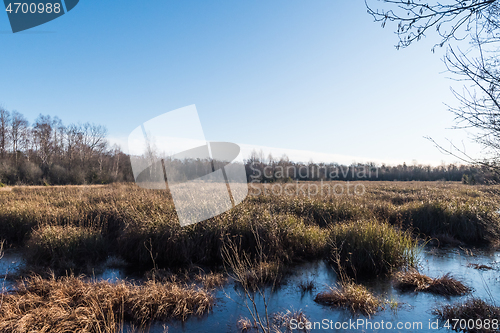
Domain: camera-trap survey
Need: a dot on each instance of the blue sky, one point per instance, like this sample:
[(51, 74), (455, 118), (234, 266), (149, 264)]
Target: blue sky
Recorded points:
[(315, 76)]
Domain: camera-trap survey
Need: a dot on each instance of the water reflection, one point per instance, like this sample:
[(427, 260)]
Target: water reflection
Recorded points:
[(9, 265)]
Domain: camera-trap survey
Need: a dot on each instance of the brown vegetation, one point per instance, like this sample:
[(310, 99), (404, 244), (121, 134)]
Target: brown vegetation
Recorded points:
[(480, 312), (137, 224), (71, 304), (280, 323), (352, 296), (245, 325), (66, 248), (445, 285), (211, 280), (371, 248), (77, 228), (480, 267)]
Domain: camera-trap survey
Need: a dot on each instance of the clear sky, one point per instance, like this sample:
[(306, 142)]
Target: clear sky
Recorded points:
[(314, 75)]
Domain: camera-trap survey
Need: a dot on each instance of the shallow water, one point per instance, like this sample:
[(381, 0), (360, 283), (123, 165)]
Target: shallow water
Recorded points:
[(9, 265), (413, 307)]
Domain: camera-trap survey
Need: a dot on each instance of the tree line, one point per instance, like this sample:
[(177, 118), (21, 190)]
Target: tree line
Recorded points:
[(49, 152), (270, 170)]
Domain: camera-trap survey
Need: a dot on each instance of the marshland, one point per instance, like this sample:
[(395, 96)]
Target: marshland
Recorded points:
[(115, 258)]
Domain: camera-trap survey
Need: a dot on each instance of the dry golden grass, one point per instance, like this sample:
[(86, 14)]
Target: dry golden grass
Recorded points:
[(352, 296), (445, 285), (411, 280), (293, 228), (67, 248), (263, 273), (368, 248), (280, 323), (456, 212), (476, 310), (449, 286), (211, 280), (71, 304), (141, 227), (245, 325)]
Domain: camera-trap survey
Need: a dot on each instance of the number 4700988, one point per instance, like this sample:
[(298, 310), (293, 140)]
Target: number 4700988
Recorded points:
[(25, 8), (471, 324)]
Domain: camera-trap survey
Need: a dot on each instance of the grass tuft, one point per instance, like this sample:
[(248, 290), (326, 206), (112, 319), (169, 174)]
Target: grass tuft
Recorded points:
[(480, 267), (245, 325), (71, 304), (280, 323), (445, 285), (352, 296), (473, 309), (211, 280), (67, 248), (412, 280), (371, 248), (282, 320)]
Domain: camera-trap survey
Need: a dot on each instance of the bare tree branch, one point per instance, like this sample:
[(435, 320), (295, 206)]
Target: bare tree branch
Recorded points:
[(415, 19)]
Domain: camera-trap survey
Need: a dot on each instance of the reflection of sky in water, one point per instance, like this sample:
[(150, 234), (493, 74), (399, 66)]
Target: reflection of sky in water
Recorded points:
[(415, 306), (9, 264)]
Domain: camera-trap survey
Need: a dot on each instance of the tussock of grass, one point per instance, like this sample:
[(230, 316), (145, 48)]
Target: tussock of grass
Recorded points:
[(72, 305), (263, 273), (480, 267), (449, 286), (473, 309), (445, 285), (463, 220), (161, 301), (211, 280), (245, 325), (66, 248), (352, 296), (371, 248), (188, 275), (412, 280), (281, 321), (285, 238)]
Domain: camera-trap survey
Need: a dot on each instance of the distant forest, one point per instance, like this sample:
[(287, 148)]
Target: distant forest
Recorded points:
[(270, 170), (48, 152)]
